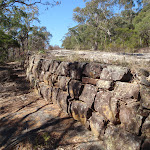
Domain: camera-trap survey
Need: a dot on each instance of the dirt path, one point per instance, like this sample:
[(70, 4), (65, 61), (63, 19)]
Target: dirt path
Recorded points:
[(29, 122)]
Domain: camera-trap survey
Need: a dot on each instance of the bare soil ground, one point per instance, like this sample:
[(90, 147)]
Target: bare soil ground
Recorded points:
[(29, 122)]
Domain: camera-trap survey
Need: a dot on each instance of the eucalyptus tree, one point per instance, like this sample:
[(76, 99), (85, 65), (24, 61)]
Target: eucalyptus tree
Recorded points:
[(39, 38), (96, 14)]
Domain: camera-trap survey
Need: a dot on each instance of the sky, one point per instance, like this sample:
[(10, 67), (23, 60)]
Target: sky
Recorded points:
[(59, 18)]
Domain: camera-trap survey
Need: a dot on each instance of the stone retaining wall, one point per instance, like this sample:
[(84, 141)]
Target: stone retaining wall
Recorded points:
[(109, 100)]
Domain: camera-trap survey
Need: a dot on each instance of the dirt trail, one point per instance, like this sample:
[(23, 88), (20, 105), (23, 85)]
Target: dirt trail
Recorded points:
[(29, 122)]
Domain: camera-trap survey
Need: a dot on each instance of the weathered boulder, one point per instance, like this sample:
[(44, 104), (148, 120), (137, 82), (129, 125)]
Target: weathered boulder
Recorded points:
[(37, 67), (92, 70), (62, 99), (80, 111), (31, 78), (46, 64), (130, 119), (125, 90), (30, 66), (75, 70), (63, 82), (46, 77), (145, 96), (118, 139), (146, 127), (63, 69), (41, 76), (107, 106), (103, 84), (75, 88), (116, 73), (46, 91), (98, 124), (54, 66), (88, 94), (55, 94)]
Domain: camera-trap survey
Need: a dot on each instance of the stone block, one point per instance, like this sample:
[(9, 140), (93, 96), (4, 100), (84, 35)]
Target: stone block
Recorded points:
[(41, 76), (98, 124), (37, 67), (88, 94), (116, 73), (62, 99), (63, 69), (146, 127), (92, 70), (46, 91), (63, 82), (53, 80), (46, 64), (118, 139), (103, 84), (55, 94), (130, 119), (75, 70), (145, 96), (53, 67), (46, 77), (75, 88), (86, 80), (80, 111), (108, 106), (125, 90)]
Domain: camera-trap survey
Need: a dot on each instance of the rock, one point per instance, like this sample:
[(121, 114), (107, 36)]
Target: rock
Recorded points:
[(46, 64), (116, 73), (88, 94), (63, 69), (130, 119), (45, 91), (143, 72), (92, 70), (146, 144), (75, 70), (125, 90), (98, 124), (55, 94), (107, 106), (30, 66), (46, 77), (103, 84), (118, 139), (145, 96), (41, 76), (146, 127), (87, 80), (80, 111), (143, 80), (53, 80), (37, 67), (63, 82), (54, 66), (75, 89), (62, 99), (31, 79)]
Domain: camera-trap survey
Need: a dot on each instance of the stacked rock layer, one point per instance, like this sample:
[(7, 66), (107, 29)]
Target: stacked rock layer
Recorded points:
[(109, 100)]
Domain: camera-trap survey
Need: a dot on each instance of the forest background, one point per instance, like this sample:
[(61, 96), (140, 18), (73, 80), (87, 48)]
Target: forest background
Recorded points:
[(99, 27)]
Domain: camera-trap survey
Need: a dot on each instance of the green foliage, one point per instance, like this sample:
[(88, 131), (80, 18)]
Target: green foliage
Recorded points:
[(17, 36), (101, 28)]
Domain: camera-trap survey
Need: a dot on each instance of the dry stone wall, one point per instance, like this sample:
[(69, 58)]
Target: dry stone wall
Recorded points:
[(109, 100)]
